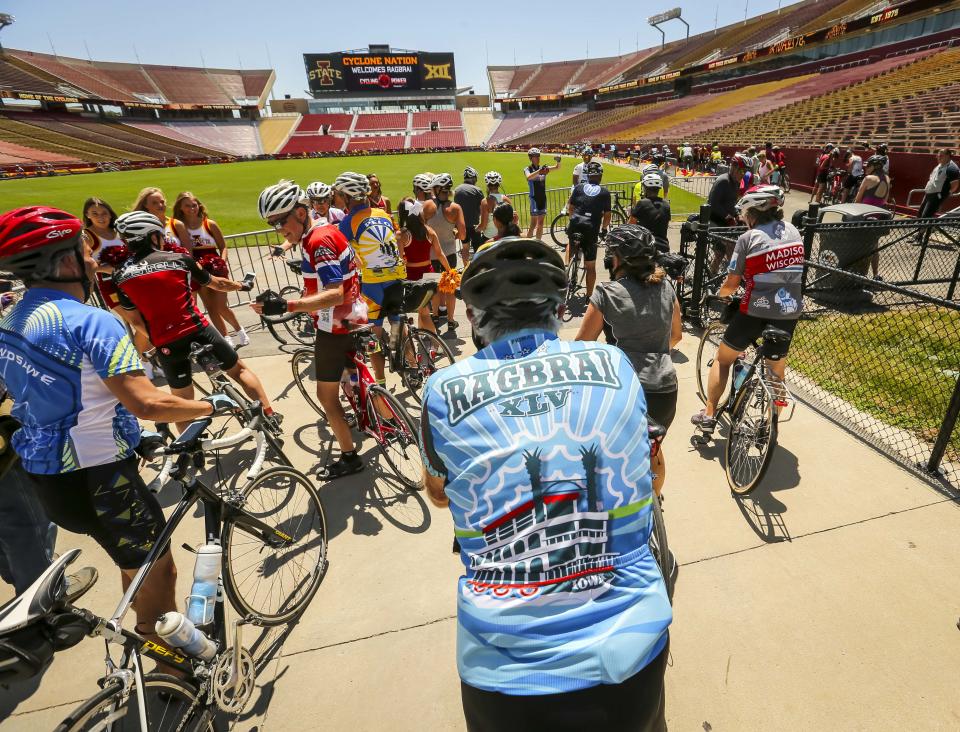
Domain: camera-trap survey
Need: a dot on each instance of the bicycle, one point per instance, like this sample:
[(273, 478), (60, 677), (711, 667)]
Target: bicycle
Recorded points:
[(754, 400), (272, 531), (834, 190), (371, 408), (558, 227), (299, 326), (658, 534)]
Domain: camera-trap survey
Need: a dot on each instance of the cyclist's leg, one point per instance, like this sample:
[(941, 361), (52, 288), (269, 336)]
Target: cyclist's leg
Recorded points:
[(330, 354), (372, 294), (740, 333), (589, 246), (174, 361), (662, 408)]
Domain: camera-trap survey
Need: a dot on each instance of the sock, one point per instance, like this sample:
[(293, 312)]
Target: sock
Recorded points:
[(350, 455), (268, 411)]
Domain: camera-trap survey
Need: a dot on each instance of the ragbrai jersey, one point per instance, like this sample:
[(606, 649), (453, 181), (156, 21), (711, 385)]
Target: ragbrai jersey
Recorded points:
[(160, 286), (328, 259), (54, 354), (371, 234), (543, 445), (770, 260)]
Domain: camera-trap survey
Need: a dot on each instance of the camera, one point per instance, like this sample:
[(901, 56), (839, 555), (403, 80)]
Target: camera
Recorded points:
[(247, 283)]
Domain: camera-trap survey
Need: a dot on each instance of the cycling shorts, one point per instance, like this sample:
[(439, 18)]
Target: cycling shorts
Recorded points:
[(744, 330), (822, 177), (109, 503), (588, 243), (383, 296), (174, 358), (451, 260), (538, 206), (331, 355)]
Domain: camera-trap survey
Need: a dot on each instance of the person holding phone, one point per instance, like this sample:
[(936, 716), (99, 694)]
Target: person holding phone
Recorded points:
[(536, 175)]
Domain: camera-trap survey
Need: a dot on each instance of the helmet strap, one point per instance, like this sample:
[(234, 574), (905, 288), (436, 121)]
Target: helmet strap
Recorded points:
[(80, 279)]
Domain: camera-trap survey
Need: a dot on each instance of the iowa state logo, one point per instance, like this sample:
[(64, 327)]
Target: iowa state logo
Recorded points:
[(437, 71), (326, 74)]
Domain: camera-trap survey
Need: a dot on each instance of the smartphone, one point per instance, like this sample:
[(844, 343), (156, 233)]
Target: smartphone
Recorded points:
[(247, 282)]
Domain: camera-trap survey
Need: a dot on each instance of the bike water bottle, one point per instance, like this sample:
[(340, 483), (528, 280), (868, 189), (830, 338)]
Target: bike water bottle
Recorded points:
[(739, 372), (177, 631), (203, 593)]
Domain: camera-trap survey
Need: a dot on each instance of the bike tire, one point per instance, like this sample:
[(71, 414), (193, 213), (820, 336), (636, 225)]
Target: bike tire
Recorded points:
[(706, 353), (753, 429), (405, 461), (265, 560), (431, 353), (558, 230), (165, 695), (300, 327), (573, 279), (617, 218), (659, 546), (304, 374)]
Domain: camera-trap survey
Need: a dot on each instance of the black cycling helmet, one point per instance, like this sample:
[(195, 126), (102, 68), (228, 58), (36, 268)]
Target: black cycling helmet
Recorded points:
[(513, 273), (593, 169), (879, 160), (631, 241)]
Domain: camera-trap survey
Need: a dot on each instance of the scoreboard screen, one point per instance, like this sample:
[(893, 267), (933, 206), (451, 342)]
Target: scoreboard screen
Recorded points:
[(378, 72)]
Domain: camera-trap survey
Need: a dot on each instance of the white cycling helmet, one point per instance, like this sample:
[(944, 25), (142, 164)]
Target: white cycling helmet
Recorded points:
[(493, 178), (652, 180), (318, 190), (533, 151), (137, 225), (761, 198), (650, 168), (442, 180), (422, 182), (470, 173), (280, 198), (355, 186)]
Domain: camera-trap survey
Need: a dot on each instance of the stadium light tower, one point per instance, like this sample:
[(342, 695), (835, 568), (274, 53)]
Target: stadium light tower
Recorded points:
[(656, 20), (5, 20)]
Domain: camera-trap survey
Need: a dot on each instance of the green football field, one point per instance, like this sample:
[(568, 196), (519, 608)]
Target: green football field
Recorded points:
[(230, 191)]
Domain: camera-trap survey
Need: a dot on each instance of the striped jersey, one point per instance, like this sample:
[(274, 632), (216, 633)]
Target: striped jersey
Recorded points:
[(770, 260), (327, 260)]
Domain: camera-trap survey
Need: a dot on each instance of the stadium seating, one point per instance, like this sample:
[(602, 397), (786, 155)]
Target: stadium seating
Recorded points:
[(445, 118), (13, 76), (478, 125), (18, 154), (314, 143), (442, 138), (517, 124), (312, 123), (274, 131), (67, 147), (379, 142), (386, 121), (234, 138)]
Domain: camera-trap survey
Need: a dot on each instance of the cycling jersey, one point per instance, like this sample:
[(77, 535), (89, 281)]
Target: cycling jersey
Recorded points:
[(54, 354), (543, 446), (327, 260), (537, 189), (160, 286), (371, 234), (334, 216), (653, 215), (770, 260), (592, 202)]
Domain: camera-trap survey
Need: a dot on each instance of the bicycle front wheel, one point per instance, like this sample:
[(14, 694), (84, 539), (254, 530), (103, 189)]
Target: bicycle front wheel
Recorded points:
[(305, 376), (659, 547), (558, 230), (424, 353), (706, 355), (617, 218), (396, 436), (275, 582), (752, 438), (169, 706)]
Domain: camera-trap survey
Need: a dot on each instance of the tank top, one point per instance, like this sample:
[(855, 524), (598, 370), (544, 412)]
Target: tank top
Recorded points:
[(170, 233), (491, 230), (446, 232), (418, 253), (99, 245), (202, 241), (869, 196)]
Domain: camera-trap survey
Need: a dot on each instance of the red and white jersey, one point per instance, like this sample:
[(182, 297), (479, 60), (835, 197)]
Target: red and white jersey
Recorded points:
[(170, 233), (770, 260), (328, 259)]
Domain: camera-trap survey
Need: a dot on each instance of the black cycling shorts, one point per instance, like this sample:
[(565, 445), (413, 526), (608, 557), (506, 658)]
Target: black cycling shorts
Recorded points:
[(109, 503), (331, 354), (744, 330), (822, 177), (174, 358), (475, 237), (588, 243)]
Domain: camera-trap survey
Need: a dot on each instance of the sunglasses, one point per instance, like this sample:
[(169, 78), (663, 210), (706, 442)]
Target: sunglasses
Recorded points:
[(279, 223)]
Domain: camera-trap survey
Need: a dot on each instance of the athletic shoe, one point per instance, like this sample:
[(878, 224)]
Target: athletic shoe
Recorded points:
[(229, 340), (242, 338), (703, 422), (78, 583)]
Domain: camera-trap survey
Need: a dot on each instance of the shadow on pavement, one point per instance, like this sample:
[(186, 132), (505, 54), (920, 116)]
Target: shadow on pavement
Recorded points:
[(761, 509)]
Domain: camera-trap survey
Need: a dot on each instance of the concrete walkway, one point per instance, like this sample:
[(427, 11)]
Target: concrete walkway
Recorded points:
[(828, 600)]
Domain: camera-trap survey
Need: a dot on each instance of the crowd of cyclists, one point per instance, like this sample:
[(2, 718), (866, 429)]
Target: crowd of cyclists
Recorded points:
[(496, 425)]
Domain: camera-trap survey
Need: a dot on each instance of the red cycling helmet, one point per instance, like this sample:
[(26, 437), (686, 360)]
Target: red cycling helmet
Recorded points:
[(740, 161), (31, 236)]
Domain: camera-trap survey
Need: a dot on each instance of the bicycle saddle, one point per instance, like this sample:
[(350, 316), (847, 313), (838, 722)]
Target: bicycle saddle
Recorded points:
[(196, 350), (656, 430), (775, 334), (39, 598)]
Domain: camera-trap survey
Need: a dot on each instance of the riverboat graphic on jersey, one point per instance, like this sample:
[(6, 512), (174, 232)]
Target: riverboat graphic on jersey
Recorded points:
[(556, 542)]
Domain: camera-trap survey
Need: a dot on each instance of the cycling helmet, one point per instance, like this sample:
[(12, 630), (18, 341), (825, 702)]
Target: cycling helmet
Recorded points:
[(650, 168), (593, 168), (318, 190), (137, 226), (493, 178), (470, 173), (881, 148), (442, 180), (739, 160), (631, 241), (423, 181), (761, 198), (31, 236), (355, 186), (587, 151), (533, 151), (280, 198), (513, 271), (879, 160), (652, 180)]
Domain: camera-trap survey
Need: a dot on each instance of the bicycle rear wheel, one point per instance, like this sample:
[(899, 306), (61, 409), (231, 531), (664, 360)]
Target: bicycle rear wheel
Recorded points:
[(424, 353), (276, 582), (573, 278), (169, 707), (659, 547), (752, 437), (558, 230), (617, 218), (706, 355), (396, 437), (305, 376)]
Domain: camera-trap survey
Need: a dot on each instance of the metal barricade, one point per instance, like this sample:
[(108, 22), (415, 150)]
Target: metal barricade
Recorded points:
[(250, 252)]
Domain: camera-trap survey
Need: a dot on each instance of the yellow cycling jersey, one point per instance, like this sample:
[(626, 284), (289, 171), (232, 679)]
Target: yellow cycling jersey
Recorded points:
[(372, 236)]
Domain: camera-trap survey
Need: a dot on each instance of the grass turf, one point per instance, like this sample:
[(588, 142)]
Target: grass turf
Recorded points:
[(230, 191)]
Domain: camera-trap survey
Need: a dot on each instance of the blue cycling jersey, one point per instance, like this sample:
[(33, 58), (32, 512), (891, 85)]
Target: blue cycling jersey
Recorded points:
[(543, 445), (54, 354)]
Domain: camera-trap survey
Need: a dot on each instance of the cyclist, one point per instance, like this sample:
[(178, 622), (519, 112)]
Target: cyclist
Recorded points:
[(782, 178), (567, 637), (768, 261), (79, 387), (647, 169), (493, 199), (653, 212), (874, 191), (505, 219), (446, 218), (827, 159), (854, 177), (371, 235), (470, 200), (724, 193), (640, 314), (579, 170), (536, 175), (209, 248), (158, 286), (331, 288), (421, 248), (590, 209), (322, 209)]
